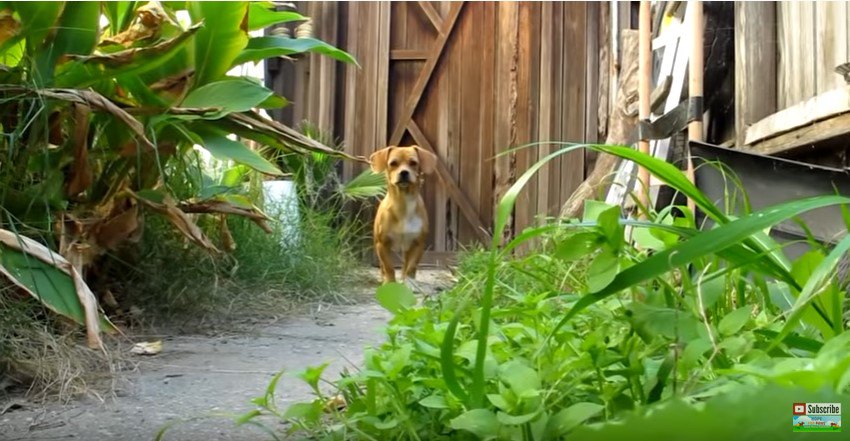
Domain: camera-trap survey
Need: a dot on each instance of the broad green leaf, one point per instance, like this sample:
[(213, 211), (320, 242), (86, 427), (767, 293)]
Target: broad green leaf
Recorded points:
[(37, 20), (120, 14), (571, 417), (262, 14), (609, 225), (221, 39), (434, 401), (310, 412), (395, 297), (646, 239), (593, 208), (260, 48), (577, 246), (516, 420), (602, 270), (246, 417), (711, 290), (693, 351), (224, 148), (312, 375), (519, 377), (480, 422), (78, 28), (651, 321), (52, 287), (234, 176), (274, 102), (731, 323), (76, 34), (230, 95), (499, 401)]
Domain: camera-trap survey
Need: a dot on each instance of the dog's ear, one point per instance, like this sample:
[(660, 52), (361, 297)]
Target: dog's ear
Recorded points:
[(378, 160), (427, 161)]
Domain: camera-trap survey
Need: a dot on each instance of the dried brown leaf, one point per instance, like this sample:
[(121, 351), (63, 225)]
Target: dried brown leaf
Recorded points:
[(92, 99), (112, 232), (226, 238), (147, 24), (81, 173), (179, 219), (9, 26), (224, 207)]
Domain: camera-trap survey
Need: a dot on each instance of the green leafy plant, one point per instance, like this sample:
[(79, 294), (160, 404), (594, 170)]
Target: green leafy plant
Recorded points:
[(99, 122), (606, 324)]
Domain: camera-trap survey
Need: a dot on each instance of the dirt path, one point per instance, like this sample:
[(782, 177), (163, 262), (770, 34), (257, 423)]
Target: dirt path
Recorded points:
[(202, 375)]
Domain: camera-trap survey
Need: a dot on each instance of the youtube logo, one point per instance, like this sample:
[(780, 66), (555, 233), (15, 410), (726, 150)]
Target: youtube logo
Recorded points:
[(799, 408)]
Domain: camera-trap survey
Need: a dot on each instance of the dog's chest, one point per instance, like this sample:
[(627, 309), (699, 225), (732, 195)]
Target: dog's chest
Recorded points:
[(408, 230)]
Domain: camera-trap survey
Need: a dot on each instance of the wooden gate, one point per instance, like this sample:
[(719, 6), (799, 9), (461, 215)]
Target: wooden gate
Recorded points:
[(466, 80)]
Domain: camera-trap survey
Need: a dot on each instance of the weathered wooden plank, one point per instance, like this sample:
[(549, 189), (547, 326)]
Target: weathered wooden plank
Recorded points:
[(487, 112), (603, 98), (351, 86), (382, 80), (755, 64), (425, 74), (572, 173), (432, 14), (440, 91), (408, 54), (527, 84), (505, 102), (328, 67), (594, 55), (454, 61), (796, 64), (820, 107), (370, 78), (469, 38), (464, 203), (831, 48), (804, 136), (546, 99), (560, 104)]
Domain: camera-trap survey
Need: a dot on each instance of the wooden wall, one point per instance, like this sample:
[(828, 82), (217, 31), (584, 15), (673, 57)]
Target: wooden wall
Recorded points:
[(468, 80), (812, 39)]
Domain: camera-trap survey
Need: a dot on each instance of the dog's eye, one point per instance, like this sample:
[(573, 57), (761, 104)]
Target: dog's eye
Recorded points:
[(393, 163), (413, 163)]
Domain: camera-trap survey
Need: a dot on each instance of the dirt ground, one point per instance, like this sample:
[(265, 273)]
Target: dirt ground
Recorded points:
[(200, 376)]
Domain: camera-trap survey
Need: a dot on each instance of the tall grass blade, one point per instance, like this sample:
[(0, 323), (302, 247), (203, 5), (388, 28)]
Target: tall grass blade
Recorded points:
[(707, 243), (807, 296)]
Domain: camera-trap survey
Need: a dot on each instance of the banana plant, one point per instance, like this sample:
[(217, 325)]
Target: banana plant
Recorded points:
[(101, 107)]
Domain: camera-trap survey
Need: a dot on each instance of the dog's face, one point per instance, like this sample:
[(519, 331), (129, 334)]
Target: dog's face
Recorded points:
[(404, 165)]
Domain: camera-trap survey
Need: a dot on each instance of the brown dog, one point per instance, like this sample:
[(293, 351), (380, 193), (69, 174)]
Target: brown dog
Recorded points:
[(401, 223)]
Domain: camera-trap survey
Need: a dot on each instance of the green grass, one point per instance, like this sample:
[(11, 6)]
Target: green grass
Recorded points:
[(592, 335)]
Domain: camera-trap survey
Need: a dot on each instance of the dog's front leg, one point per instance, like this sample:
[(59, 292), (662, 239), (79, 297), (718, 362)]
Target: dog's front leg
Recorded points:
[(385, 258), (411, 261)]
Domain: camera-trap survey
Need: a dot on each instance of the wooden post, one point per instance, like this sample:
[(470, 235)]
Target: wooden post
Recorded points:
[(695, 73), (644, 91), (755, 64)]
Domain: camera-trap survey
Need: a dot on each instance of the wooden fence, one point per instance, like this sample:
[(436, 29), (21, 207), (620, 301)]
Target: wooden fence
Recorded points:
[(467, 80)]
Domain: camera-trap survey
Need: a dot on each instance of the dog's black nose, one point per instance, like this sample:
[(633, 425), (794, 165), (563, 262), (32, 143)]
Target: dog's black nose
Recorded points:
[(404, 175)]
